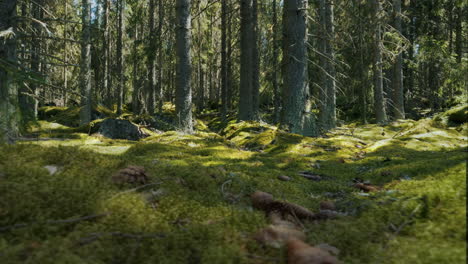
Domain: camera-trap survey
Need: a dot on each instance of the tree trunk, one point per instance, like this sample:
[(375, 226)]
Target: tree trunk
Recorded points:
[(183, 89), (150, 90), (379, 100), (327, 62), (255, 63), (398, 96), (459, 37), (85, 66), (120, 58), (106, 54), (246, 62), (295, 78), (159, 90), (9, 117), (224, 76), (276, 87)]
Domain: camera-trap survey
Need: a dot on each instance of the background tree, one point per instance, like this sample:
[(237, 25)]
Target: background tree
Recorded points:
[(183, 88), (85, 69)]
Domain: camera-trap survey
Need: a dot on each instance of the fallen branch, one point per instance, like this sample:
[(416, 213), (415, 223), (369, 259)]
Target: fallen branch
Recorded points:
[(52, 222)]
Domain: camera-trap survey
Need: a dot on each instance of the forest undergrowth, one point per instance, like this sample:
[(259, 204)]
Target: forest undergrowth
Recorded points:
[(59, 203)]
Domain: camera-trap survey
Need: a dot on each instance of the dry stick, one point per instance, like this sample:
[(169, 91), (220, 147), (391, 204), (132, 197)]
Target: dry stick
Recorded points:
[(63, 221), (135, 189)]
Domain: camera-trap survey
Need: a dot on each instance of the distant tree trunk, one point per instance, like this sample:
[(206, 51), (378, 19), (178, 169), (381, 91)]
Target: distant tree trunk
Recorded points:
[(379, 100), (246, 61), (183, 89), (120, 58), (9, 117), (106, 54), (327, 62), (459, 37), (224, 74), (136, 104), (27, 102), (85, 66), (150, 90), (295, 78), (276, 87), (159, 90), (229, 93), (65, 57), (255, 63), (398, 95)]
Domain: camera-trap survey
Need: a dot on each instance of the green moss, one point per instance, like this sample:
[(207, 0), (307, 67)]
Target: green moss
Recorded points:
[(200, 210)]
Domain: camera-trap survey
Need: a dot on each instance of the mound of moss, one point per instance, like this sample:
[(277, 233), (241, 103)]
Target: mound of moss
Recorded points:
[(197, 207)]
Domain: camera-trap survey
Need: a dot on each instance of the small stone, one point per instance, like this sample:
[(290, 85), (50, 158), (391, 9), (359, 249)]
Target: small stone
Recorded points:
[(327, 205), (284, 178), (51, 169)]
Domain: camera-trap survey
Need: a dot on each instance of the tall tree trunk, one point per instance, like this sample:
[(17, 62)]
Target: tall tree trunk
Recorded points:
[(150, 90), (183, 88), (327, 62), (255, 63), (295, 78), (398, 96), (276, 87), (136, 85), (120, 58), (159, 90), (106, 54), (65, 57), (27, 102), (85, 66), (379, 100), (229, 92), (224, 73), (9, 117), (246, 61), (459, 31)]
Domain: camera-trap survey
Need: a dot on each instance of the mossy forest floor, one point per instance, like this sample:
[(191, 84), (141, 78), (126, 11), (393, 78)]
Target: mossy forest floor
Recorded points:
[(198, 208)]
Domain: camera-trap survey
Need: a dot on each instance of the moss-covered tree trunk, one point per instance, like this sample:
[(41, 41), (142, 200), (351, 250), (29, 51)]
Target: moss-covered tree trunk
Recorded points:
[(150, 88), (183, 87), (9, 117)]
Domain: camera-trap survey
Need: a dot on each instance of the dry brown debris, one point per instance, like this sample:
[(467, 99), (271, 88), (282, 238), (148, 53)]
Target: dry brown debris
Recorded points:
[(302, 253), (132, 175), (366, 187), (265, 202), (276, 236)]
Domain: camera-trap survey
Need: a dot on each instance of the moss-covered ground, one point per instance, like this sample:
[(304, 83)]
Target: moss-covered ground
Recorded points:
[(197, 209)]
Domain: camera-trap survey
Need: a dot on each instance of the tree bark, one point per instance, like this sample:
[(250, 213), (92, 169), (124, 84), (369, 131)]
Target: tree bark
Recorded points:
[(106, 54), (150, 90), (327, 62), (398, 96), (379, 100), (276, 87), (85, 66), (224, 76), (295, 78), (246, 61), (255, 63), (120, 58), (183, 88), (9, 117)]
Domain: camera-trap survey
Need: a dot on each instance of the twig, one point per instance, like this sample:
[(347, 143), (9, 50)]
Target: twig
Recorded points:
[(52, 222), (135, 189)]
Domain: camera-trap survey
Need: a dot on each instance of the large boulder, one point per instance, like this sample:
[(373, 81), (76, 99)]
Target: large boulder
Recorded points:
[(121, 129)]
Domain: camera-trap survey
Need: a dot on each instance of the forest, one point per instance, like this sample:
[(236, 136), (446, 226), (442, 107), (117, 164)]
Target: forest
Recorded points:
[(233, 131)]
